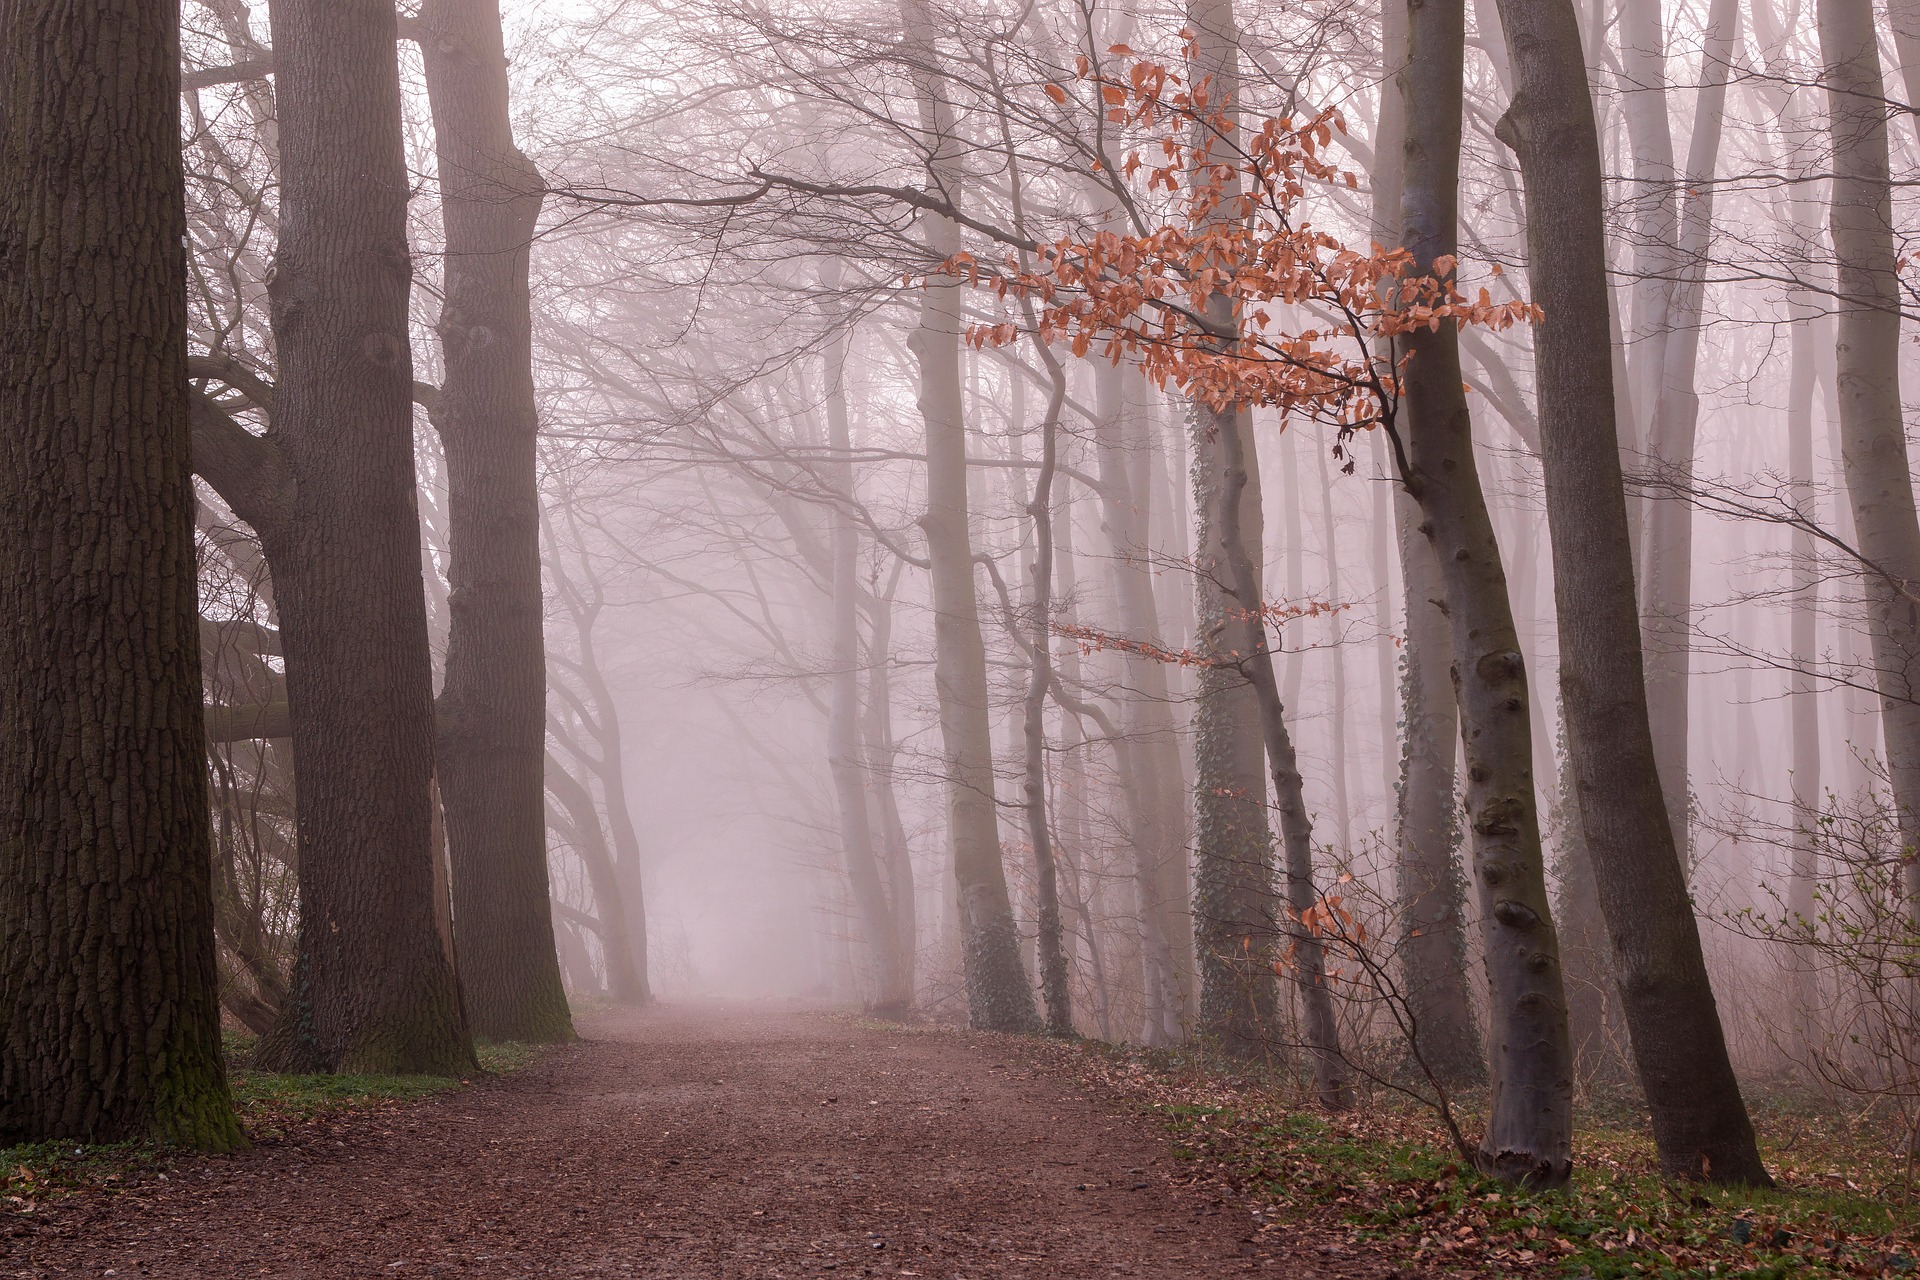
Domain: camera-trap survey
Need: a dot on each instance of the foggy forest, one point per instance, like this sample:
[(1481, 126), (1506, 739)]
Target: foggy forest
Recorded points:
[(963, 638)]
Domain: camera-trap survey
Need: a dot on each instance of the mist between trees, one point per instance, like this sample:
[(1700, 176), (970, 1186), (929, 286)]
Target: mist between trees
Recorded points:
[(1380, 542)]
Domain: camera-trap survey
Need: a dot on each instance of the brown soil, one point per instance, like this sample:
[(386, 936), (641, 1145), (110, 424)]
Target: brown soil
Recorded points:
[(744, 1143)]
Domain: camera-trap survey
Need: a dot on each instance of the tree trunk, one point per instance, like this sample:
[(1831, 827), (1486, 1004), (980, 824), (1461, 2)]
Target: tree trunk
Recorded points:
[(1308, 958), (1699, 1120), (1055, 994), (893, 997), (1803, 690), (1235, 921), (1433, 938), (880, 751), (1867, 363), (1336, 658), (1158, 838), (372, 989), (1666, 559), (491, 748), (601, 720), (109, 1006), (1654, 215), (1529, 1131), (999, 997), (625, 982)]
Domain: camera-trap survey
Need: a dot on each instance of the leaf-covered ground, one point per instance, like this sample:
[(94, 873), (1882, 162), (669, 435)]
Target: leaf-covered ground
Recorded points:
[(272, 1108), (1386, 1178)]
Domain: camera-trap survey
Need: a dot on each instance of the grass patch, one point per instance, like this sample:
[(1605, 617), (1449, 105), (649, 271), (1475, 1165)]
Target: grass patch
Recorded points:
[(272, 1107), (1386, 1175)]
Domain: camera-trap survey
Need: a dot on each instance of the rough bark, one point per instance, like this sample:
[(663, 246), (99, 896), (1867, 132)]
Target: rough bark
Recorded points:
[(1235, 920), (109, 1009), (1700, 1122), (372, 990), (1867, 376), (1529, 1129), (491, 747)]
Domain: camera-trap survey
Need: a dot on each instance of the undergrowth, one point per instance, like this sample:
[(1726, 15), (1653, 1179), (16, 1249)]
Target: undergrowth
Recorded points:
[(1846, 1204), (272, 1108)]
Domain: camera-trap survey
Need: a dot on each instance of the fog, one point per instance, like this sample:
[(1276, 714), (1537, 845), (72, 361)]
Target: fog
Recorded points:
[(745, 213)]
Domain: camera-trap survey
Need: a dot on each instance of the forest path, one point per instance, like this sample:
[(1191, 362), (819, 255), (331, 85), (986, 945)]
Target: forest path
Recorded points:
[(743, 1142)]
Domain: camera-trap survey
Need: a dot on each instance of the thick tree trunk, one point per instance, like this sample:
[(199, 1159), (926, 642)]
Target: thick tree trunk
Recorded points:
[(1530, 1119), (109, 1010), (1867, 363), (372, 988), (1699, 1120), (1666, 560), (893, 996), (491, 747), (999, 997), (1235, 916)]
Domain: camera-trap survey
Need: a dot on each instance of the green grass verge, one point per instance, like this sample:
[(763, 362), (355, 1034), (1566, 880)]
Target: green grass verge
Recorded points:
[(1846, 1205), (271, 1106)]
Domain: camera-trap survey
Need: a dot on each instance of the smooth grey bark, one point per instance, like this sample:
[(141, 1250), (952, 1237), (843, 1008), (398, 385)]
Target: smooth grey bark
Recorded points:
[(1867, 377), (999, 997), (372, 989), (109, 1005), (1529, 1131), (1666, 561), (491, 747), (1700, 1123), (893, 996)]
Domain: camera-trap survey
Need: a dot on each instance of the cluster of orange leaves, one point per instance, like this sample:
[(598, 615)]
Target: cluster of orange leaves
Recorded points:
[(1343, 936), (1197, 302)]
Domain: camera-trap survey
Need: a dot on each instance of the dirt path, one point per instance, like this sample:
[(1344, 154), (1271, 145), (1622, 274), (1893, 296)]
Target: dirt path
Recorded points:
[(738, 1143)]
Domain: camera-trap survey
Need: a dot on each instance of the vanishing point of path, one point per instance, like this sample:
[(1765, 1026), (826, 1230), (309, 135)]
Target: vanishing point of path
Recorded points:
[(736, 1142)]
